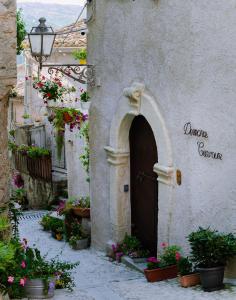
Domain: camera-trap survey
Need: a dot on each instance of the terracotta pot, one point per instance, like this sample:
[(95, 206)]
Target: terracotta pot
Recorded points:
[(189, 280), (81, 212), (161, 273)]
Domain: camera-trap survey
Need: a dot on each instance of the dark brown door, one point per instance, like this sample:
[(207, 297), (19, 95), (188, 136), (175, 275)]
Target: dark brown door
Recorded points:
[(144, 187)]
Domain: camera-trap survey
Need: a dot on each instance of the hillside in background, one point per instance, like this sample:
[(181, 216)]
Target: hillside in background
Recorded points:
[(57, 15)]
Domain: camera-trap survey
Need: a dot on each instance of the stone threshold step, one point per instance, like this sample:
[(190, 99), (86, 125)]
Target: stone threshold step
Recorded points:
[(133, 265)]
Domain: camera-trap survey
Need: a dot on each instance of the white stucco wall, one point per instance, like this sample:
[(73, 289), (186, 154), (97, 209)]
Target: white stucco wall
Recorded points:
[(184, 53)]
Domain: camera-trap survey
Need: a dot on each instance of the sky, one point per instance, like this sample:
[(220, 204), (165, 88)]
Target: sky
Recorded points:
[(78, 2)]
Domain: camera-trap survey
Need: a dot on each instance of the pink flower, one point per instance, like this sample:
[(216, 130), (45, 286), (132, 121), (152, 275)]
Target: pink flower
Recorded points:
[(10, 279), (22, 281), (177, 256), (153, 260), (164, 245), (23, 265)]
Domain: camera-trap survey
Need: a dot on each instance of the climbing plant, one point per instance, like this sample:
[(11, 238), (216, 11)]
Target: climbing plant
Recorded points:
[(21, 31), (84, 157)]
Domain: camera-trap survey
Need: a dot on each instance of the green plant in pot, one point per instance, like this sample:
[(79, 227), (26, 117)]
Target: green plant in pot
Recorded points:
[(187, 275), (78, 239), (210, 251), (164, 267)]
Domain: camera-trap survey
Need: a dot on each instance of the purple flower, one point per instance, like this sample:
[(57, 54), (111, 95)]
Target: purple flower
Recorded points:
[(51, 286), (18, 181)]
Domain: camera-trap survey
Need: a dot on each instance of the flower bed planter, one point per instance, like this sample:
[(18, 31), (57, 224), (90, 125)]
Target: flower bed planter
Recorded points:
[(39, 289), (189, 280), (81, 244), (161, 273), (81, 212), (212, 278)]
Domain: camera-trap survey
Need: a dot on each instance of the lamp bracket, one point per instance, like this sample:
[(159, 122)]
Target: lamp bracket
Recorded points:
[(84, 74)]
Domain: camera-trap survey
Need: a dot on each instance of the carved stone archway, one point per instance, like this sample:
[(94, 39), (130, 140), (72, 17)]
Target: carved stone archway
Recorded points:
[(136, 101)]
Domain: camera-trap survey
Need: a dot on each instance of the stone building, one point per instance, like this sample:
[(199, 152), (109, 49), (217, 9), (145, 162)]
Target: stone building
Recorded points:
[(7, 80), (162, 119)]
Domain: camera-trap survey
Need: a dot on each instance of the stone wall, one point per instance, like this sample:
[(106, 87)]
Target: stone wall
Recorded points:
[(7, 80)]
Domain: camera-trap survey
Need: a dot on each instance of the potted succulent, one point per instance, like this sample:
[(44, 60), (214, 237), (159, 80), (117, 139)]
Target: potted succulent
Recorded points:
[(165, 267), (81, 207), (210, 251), (187, 276)]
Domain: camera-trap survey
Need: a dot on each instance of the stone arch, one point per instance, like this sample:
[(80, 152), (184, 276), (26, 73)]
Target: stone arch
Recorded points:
[(137, 101)]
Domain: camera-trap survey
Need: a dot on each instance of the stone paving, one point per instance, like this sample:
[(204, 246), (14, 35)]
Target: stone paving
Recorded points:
[(99, 279)]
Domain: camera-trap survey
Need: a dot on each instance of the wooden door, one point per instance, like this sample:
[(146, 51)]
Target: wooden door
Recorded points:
[(144, 186)]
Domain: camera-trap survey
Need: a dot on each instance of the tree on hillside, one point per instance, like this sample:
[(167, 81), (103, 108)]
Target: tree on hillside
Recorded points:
[(21, 31)]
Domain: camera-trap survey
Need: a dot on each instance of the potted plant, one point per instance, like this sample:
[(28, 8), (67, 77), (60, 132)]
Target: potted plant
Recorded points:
[(46, 222), (81, 55), (84, 99), (57, 228), (28, 274), (131, 246), (210, 251), (187, 276), (165, 267), (81, 207), (78, 239), (26, 118)]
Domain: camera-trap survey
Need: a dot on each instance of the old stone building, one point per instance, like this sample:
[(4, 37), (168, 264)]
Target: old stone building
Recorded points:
[(163, 119), (7, 80)]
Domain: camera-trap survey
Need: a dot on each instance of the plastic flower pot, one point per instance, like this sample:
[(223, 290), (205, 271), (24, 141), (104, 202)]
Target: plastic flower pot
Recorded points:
[(212, 278), (189, 280), (81, 212), (83, 61), (81, 244), (161, 273), (39, 289), (85, 105)]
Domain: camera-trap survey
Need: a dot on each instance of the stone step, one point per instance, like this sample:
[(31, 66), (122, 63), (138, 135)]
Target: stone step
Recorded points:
[(133, 265)]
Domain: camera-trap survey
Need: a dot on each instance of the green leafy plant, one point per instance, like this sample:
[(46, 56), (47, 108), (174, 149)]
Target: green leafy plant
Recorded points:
[(30, 151), (170, 255), (185, 266), (56, 225), (21, 31), (80, 54), (22, 263), (153, 263), (210, 248), (84, 157), (46, 222), (26, 116), (84, 96), (77, 234), (4, 223)]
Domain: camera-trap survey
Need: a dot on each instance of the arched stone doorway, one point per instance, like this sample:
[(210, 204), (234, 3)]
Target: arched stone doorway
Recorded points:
[(143, 184), (137, 101)]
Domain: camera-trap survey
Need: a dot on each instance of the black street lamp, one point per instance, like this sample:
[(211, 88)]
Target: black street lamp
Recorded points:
[(41, 40)]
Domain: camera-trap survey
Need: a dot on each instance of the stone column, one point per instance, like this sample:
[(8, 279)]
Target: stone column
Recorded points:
[(7, 80)]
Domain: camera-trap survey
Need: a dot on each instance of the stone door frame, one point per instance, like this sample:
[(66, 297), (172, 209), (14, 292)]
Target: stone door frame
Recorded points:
[(135, 101)]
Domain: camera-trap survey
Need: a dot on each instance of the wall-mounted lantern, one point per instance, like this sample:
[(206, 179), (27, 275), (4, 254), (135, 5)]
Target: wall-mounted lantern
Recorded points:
[(41, 40)]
